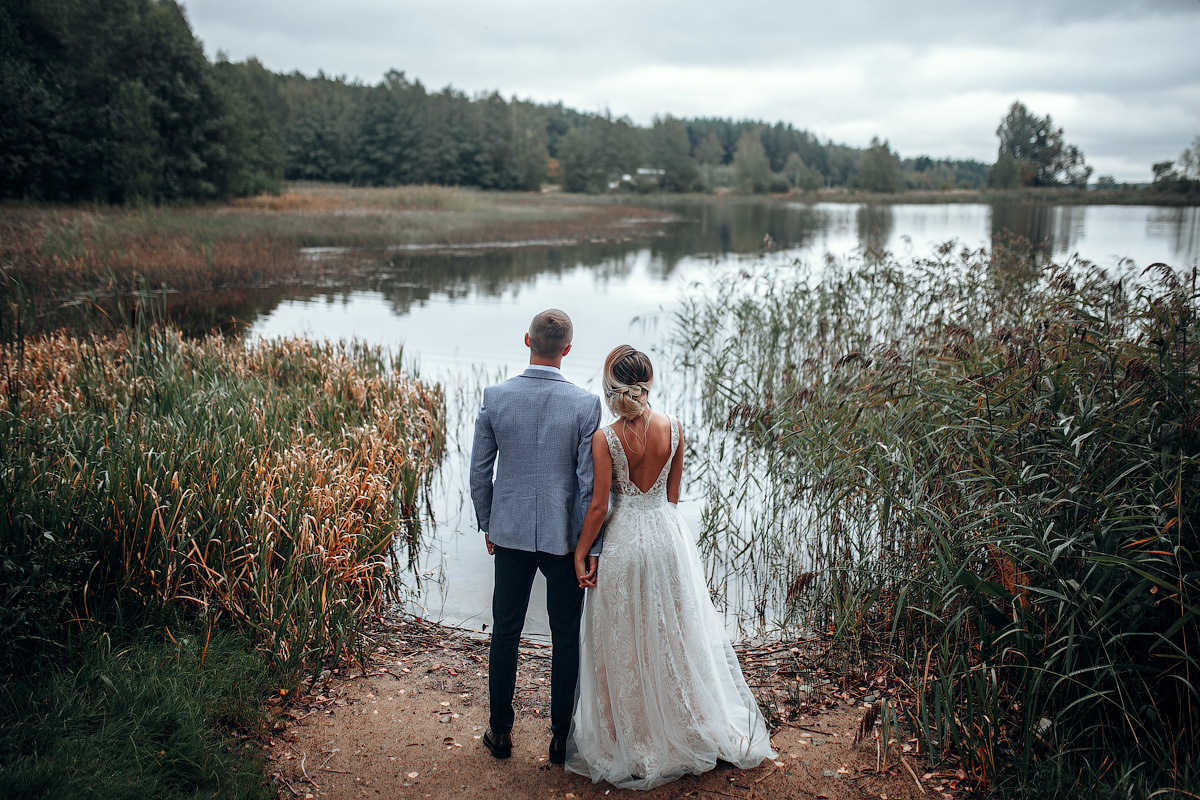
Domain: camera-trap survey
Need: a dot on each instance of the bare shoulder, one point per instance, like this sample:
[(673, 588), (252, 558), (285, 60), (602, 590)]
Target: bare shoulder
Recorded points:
[(600, 449), (674, 424), (662, 420)]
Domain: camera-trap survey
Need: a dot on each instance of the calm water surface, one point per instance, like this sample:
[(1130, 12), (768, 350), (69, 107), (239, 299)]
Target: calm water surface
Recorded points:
[(461, 316)]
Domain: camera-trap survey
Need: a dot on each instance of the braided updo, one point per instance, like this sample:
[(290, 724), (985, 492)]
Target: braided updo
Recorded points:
[(628, 376)]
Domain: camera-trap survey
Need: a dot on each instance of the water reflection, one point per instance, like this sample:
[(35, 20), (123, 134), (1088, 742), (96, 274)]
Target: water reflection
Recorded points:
[(706, 234), (875, 226), (1180, 227), (1053, 229), (737, 227)]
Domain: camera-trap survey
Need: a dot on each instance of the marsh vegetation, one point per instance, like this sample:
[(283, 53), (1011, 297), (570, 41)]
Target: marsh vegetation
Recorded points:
[(185, 525), (982, 468), (79, 265)]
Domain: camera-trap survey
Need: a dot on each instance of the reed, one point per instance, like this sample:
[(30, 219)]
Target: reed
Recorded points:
[(79, 266), (258, 486), (68, 259), (984, 467), (416, 197)]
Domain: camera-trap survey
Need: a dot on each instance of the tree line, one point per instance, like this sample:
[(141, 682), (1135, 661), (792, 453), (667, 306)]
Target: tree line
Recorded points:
[(116, 101), (1181, 176)]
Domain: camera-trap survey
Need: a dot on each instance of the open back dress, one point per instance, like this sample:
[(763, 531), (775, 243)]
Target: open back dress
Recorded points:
[(660, 693)]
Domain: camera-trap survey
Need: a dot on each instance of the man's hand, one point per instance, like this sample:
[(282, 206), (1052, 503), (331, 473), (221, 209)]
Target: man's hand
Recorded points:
[(491, 547), (585, 570)]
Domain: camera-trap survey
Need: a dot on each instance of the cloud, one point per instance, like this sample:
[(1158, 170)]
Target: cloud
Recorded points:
[(1121, 78)]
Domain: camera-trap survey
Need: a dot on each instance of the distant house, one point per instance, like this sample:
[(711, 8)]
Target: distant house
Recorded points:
[(642, 178)]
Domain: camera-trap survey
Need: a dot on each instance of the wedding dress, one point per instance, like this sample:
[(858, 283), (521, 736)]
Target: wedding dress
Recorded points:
[(660, 692)]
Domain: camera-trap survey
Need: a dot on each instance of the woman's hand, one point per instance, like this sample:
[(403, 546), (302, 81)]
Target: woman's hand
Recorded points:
[(585, 569)]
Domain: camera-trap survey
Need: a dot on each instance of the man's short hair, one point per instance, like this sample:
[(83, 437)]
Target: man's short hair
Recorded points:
[(550, 333)]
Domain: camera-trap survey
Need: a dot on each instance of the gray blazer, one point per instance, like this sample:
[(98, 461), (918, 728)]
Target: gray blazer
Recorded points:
[(536, 430)]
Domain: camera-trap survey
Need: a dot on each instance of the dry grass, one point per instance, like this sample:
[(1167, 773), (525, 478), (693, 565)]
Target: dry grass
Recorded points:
[(265, 486), (56, 256), (406, 198), (289, 201), (63, 254)]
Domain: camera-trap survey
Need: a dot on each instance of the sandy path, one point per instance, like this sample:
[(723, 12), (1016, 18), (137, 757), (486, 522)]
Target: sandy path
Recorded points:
[(410, 727)]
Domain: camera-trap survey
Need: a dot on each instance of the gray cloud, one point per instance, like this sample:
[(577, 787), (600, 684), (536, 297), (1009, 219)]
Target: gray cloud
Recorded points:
[(1121, 78)]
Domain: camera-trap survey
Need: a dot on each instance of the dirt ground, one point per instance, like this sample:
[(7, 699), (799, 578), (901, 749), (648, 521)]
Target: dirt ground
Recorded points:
[(409, 726)]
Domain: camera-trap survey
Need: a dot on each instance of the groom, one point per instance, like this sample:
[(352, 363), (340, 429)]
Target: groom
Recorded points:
[(536, 430)]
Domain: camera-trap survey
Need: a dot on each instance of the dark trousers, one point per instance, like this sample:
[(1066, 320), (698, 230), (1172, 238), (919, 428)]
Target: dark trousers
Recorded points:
[(510, 600)]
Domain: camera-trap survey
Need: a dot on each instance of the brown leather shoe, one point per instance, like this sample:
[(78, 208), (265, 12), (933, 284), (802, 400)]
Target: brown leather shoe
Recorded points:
[(498, 744), (558, 750)]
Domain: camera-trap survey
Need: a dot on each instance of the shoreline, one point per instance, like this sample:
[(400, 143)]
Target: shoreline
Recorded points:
[(1047, 196), (58, 261), (408, 723)]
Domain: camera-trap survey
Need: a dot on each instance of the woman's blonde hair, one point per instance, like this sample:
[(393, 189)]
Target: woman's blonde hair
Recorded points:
[(628, 376)]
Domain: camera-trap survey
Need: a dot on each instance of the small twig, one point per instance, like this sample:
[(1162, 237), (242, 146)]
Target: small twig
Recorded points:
[(309, 714), (914, 775), (769, 774), (775, 648), (306, 776), (291, 788), (803, 727)]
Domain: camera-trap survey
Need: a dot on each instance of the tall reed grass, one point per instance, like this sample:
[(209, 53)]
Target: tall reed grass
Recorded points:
[(988, 468), (319, 195), (262, 486), (74, 255)]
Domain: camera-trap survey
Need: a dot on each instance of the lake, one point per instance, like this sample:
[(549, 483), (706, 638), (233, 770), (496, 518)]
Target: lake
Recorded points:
[(460, 317)]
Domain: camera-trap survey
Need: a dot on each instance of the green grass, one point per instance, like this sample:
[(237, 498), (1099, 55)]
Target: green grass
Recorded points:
[(138, 716)]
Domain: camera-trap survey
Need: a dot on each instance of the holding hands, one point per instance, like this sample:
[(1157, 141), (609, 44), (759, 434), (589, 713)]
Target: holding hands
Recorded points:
[(585, 569)]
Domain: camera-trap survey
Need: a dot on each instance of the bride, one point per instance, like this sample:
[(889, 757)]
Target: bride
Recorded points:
[(660, 691)]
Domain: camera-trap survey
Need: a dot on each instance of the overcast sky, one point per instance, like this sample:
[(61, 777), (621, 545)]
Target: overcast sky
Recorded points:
[(1121, 77)]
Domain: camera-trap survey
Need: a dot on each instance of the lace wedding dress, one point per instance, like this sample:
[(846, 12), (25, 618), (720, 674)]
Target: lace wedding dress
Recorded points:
[(660, 693)]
